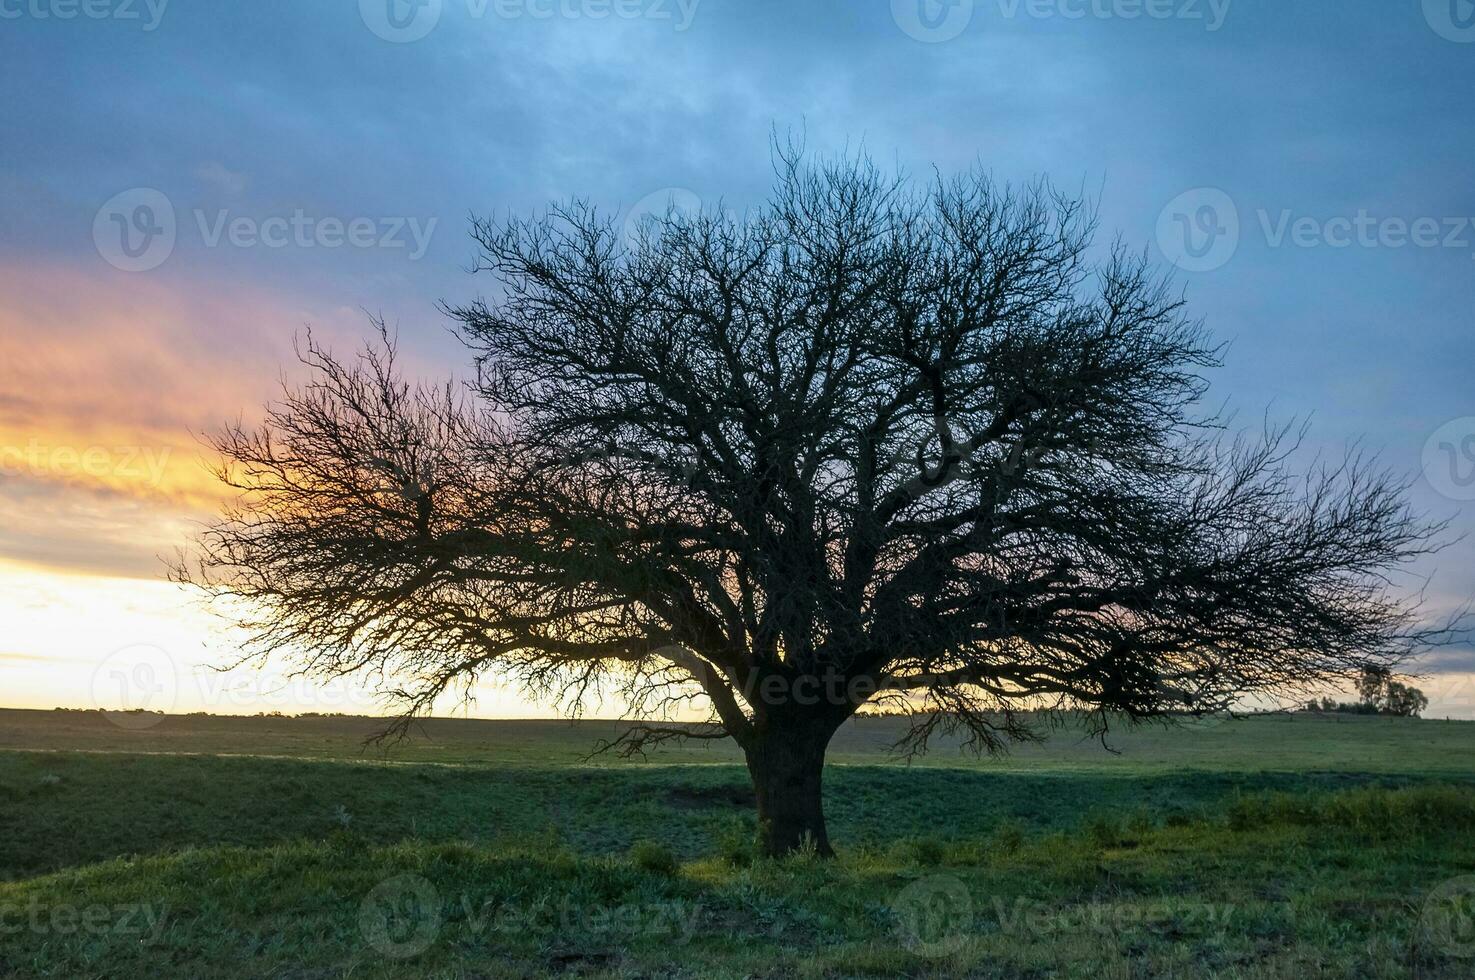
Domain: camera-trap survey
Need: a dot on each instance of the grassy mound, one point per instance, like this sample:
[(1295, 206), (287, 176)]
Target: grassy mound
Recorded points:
[(1319, 883)]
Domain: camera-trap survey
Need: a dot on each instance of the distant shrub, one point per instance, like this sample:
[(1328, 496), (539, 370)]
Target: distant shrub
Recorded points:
[(1140, 823), (1177, 817), (923, 851), (1247, 813), (1112, 828), (736, 841), (1104, 829), (1008, 836), (649, 855), (1380, 695)]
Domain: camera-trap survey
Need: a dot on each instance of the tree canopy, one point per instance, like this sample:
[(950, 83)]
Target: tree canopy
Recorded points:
[(870, 441)]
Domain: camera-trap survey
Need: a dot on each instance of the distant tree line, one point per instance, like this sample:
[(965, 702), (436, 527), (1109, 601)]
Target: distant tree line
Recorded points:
[(1378, 694)]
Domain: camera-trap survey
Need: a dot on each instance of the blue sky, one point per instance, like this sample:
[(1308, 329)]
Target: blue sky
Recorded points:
[(1304, 124)]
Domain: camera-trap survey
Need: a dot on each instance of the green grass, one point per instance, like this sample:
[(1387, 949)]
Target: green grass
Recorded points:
[(1273, 847), (1286, 742)]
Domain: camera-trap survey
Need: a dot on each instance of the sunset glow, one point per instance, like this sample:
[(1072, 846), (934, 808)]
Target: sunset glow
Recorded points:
[(345, 194)]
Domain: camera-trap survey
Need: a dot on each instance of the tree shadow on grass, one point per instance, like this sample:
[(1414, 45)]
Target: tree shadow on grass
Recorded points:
[(62, 810)]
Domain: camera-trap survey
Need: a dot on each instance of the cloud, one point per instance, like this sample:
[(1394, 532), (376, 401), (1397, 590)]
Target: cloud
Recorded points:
[(99, 531), (25, 658), (227, 181), (106, 386), (267, 108), (1452, 660)]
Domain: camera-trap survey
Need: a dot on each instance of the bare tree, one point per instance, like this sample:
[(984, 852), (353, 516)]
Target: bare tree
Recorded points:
[(869, 442)]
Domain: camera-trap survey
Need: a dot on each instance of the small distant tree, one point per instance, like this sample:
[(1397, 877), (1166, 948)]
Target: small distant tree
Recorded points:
[(868, 443), (1381, 694), (1378, 694), (1404, 701), (1372, 685)]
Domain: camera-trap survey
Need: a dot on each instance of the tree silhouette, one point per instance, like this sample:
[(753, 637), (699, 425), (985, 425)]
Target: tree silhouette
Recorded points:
[(869, 442)]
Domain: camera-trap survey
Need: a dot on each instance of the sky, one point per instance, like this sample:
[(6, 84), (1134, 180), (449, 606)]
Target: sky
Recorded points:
[(186, 187)]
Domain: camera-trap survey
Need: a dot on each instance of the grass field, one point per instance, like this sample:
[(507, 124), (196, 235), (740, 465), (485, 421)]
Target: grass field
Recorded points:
[(1282, 845)]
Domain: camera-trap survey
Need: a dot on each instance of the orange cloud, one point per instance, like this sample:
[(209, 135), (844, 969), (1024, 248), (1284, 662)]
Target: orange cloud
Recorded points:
[(106, 382)]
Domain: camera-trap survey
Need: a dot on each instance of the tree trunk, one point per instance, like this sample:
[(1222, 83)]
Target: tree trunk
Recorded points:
[(787, 765)]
